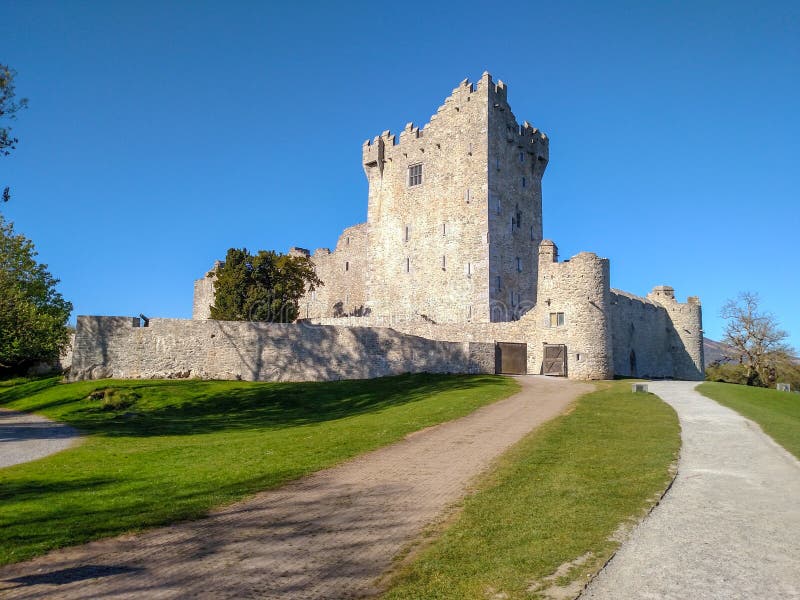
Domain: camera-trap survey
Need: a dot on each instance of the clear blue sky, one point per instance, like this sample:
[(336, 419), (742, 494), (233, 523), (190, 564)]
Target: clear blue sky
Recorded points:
[(160, 134)]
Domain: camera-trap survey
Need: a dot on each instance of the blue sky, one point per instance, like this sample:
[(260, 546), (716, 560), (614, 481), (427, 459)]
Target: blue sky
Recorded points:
[(160, 134)]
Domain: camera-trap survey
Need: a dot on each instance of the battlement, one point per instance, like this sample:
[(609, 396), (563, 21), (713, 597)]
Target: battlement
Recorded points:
[(665, 295), (484, 93)]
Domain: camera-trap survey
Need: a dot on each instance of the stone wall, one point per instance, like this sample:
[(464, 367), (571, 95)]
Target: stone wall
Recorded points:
[(517, 158), (176, 348), (204, 294), (656, 336), (429, 247), (578, 288), (343, 273)]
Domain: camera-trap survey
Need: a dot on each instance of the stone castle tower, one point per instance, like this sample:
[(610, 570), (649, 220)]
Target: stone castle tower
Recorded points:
[(453, 250), (455, 211)]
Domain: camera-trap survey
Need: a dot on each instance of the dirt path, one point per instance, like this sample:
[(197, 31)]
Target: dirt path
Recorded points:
[(327, 536), (728, 528), (25, 437)]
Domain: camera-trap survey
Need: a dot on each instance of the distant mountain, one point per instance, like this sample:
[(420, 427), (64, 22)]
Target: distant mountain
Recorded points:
[(716, 350)]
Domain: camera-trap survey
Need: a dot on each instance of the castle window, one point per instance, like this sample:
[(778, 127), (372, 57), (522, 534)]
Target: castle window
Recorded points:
[(348, 241), (444, 228), (556, 319), (444, 263), (415, 175), (532, 235), (499, 283), (408, 265), (347, 266), (519, 265), (497, 163), (523, 182), (408, 233), (468, 269), (521, 157), (467, 196)]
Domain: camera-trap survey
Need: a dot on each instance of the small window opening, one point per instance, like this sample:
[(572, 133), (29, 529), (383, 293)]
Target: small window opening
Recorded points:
[(469, 269), (521, 157), (415, 175), (497, 163), (519, 265), (444, 263), (532, 236), (556, 319), (444, 228), (408, 233), (408, 265), (578, 356), (467, 195), (347, 266), (499, 283), (523, 182)]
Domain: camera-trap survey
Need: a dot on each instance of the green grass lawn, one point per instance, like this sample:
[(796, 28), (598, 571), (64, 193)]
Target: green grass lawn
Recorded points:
[(561, 493), (161, 451), (778, 413)]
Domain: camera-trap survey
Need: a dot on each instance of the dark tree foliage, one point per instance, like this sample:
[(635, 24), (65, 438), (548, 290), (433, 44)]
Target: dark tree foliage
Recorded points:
[(33, 315), (261, 287), (8, 110)]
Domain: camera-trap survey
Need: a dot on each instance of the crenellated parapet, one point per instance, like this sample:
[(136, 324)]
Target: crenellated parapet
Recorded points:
[(687, 326)]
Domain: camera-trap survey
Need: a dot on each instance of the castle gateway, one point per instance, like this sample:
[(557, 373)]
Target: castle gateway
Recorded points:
[(450, 273)]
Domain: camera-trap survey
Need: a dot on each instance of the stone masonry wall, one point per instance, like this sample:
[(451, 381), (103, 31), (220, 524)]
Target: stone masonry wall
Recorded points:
[(428, 247), (657, 336), (176, 348), (204, 295), (517, 158), (579, 288), (343, 273)]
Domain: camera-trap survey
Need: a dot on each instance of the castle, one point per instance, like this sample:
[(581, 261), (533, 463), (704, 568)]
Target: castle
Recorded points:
[(450, 273), (453, 250)]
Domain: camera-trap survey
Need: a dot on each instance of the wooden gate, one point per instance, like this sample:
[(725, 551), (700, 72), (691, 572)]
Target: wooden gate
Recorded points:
[(510, 358), (555, 360)]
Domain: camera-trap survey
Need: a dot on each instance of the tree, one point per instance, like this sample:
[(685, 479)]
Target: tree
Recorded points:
[(756, 338), (8, 110), (266, 286), (33, 315)]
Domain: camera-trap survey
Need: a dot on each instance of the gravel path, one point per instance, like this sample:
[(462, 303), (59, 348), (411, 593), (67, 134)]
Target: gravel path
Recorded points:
[(25, 437), (327, 536), (728, 528)]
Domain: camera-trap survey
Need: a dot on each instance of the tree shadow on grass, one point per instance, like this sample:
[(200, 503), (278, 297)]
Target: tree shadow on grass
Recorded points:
[(28, 388), (210, 408)]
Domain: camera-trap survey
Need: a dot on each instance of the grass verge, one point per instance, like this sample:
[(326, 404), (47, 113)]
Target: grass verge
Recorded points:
[(548, 514), (778, 413), (162, 451)]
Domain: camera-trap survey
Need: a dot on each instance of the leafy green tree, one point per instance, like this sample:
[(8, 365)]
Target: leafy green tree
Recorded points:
[(33, 315), (266, 286), (8, 109)]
